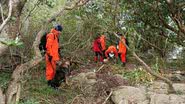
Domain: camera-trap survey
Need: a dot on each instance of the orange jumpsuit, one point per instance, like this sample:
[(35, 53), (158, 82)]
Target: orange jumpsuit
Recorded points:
[(113, 49), (103, 42), (52, 49), (122, 49)]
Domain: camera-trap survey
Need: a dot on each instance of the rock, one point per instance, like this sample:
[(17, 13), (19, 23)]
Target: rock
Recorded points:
[(112, 80), (91, 75), (177, 77), (128, 94), (80, 77), (158, 87), (179, 87), (91, 81), (166, 99)]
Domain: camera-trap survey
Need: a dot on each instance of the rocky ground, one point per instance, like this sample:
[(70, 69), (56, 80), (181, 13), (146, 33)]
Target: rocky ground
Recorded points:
[(95, 83), (98, 88)]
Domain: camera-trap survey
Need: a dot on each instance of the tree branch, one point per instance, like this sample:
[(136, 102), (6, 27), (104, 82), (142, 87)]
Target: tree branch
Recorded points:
[(181, 5), (1, 12), (166, 24), (176, 15), (73, 5), (8, 18)]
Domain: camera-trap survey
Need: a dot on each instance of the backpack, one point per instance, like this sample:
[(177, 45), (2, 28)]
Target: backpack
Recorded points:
[(43, 41)]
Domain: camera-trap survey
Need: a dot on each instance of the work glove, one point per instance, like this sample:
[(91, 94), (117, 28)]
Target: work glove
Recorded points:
[(58, 63)]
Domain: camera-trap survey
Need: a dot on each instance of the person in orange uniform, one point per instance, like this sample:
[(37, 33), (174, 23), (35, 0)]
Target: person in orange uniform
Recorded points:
[(103, 44), (97, 49), (111, 52), (122, 48), (52, 53)]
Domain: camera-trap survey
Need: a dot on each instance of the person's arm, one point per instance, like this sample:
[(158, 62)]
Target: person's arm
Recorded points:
[(127, 43), (116, 54), (49, 43), (106, 53)]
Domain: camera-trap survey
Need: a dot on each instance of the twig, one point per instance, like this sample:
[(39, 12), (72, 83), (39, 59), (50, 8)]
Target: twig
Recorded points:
[(75, 98), (48, 101), (100, 68), (8, 18), (107, 98), (69, 41)]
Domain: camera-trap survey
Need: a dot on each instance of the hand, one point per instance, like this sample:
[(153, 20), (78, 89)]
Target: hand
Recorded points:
[(58, 63)]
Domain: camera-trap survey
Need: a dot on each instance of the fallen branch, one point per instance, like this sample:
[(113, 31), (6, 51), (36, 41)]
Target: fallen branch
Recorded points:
[(107, 98), (100, 68)]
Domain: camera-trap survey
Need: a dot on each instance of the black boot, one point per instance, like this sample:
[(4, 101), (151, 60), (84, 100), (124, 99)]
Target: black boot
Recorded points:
[(49, 83), (123, 64)]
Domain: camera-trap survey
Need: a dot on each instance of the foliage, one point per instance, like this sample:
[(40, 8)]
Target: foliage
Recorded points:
[(4, 78), (150, 19), (29, 101), (16, 42), (138, 76)]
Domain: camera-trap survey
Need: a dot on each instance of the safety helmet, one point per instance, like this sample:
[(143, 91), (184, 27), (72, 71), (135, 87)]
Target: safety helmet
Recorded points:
[(58, 28)]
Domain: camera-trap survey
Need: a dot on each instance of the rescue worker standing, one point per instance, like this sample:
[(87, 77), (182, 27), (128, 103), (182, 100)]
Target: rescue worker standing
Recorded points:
[(97, 49), (122, 48), (103, 44), (52, 53)]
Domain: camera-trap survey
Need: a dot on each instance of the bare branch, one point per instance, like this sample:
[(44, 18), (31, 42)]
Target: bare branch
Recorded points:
[(167, 25), (176, 15), (69, 41), (2, 12), (181, 5), (107, 98), (73, 5), (9, 15)]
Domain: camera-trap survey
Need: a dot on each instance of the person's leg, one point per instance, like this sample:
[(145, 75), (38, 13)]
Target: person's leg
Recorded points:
[(119, 55), (49, 70), (103, 52), (96, 57), (123, 59), (101, 56)]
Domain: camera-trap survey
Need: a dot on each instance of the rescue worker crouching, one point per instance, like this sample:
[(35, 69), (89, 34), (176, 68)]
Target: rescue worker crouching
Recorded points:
[(111, 53), (52, 53)]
